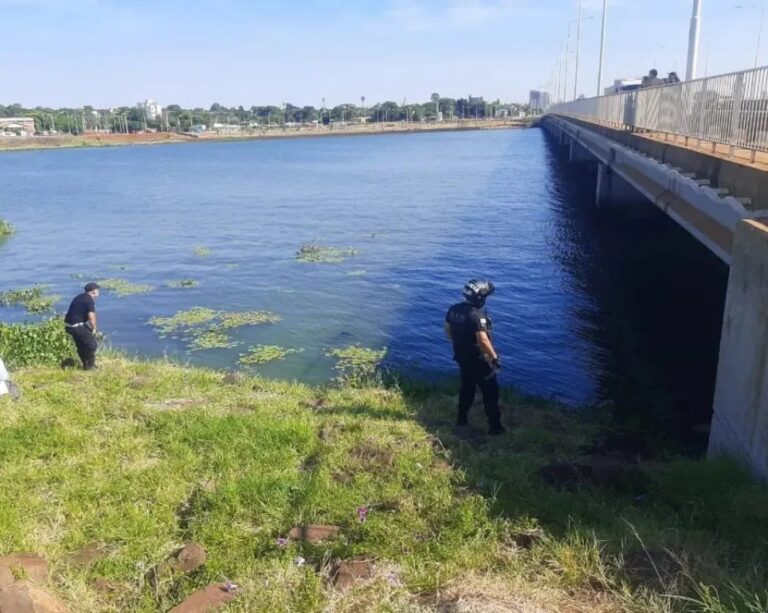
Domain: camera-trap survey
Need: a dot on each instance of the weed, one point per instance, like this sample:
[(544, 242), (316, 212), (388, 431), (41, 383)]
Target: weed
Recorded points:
[(183, 283), (202, 252), (40, 344), (6, 229), (357, 365)]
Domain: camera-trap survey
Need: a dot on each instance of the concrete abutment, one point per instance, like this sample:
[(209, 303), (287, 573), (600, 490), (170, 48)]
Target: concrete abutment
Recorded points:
[(740, 420), (614, 190)]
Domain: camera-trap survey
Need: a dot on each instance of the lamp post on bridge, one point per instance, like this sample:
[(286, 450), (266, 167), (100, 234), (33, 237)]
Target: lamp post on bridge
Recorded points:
[(760, 28), (693, 41), (602, 49)]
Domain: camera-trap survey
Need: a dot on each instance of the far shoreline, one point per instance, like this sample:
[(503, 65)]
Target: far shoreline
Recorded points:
[(94, 140)]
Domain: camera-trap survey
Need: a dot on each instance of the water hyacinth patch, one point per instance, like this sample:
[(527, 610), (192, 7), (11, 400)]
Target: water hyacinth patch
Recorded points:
[(261, 354), (6, 229), (324, 254), (33, 299), (183, 283), (357, 365), (183, 319), (121, 287), (282, 542), (202, 252), (247, 318), (210, 339)]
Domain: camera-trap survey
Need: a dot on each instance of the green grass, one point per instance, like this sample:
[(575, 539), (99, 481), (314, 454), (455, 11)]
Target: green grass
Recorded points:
[(127, 455)]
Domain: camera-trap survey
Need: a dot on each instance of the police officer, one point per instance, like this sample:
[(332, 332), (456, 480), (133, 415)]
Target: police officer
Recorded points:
[(80, 323), (468, 326)]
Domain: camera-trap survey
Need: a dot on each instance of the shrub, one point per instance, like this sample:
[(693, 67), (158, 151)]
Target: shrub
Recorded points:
[(39, 344)]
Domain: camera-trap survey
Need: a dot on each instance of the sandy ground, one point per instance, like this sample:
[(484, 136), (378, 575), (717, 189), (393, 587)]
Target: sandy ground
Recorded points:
[(106, 140)]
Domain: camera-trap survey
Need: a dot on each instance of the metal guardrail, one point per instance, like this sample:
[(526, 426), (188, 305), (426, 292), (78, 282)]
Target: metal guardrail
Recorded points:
[(729, 109)]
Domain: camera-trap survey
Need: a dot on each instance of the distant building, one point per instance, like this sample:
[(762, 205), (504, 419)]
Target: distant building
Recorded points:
[(623, 85), (152, 110), (17, 126), (538, 101), (476, 99)]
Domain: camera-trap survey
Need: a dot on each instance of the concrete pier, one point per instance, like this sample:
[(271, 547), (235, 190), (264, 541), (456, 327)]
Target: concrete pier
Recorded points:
[(740, 421), (613, 190)]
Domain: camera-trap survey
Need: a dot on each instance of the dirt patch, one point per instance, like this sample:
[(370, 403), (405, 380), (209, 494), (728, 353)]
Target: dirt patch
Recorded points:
[(371, 456), (107, 587), (88, 555)]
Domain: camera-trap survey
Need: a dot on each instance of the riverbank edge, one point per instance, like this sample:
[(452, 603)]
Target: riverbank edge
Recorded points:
[(512, 520), (119, 140)]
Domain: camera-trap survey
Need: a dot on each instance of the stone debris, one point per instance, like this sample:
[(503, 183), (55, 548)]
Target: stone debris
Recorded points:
[(313, 533), (348, 572), (189, 558), (212, 597), (529, 538), (25, 597), (26, 566)]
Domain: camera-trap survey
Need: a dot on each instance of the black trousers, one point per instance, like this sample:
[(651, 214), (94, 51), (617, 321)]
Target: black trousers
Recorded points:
[(478, 373), (85, 341)]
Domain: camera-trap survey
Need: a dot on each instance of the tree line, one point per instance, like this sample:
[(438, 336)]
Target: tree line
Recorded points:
[(176, 118)]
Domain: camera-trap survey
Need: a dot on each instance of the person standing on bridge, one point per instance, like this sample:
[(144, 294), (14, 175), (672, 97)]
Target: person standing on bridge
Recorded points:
[(468, 326), (80, 323)]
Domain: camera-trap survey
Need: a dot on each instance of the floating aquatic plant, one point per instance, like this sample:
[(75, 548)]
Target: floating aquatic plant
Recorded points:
[(183, 319), (121, 287), (355, 273), (33, 299), (247, 318), (324, 254), (6, 229), (202, 252), (261, 354), (183, 283), (212, 338), (355, 364)]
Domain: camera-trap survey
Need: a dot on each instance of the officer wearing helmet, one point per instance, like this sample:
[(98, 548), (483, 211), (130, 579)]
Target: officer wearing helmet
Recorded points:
[(468, 326)]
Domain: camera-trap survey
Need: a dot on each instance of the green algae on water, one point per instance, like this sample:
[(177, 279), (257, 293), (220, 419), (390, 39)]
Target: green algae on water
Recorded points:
[(324, 254), (121, 287), (202, 252), (261, 354)]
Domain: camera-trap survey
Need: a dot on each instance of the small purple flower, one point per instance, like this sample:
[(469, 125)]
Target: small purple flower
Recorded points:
[(282, 542), (230, 587), (362, 513), (393, 578)]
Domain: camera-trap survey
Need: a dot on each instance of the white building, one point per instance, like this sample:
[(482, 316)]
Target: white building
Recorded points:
[(152, 110), (17, 126), (538, 101)]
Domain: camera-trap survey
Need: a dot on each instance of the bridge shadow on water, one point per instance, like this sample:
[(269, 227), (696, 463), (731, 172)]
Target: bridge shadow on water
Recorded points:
[(638, 304)]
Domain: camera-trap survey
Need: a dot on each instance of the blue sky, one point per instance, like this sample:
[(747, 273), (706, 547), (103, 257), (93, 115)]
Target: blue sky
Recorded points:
[(196, 52)]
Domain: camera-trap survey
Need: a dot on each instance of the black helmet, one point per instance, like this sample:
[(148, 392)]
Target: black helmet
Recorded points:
[(475, 292)]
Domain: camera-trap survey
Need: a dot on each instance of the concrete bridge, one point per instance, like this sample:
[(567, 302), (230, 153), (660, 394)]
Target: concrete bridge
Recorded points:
[(698, 150)]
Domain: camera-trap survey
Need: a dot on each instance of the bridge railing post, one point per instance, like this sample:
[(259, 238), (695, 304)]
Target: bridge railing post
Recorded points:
[(738, 98)]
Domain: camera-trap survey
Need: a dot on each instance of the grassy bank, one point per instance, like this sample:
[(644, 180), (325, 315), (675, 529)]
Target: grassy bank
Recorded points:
[(136, 459)]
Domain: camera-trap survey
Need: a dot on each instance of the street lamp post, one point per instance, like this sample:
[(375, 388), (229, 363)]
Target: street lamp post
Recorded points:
[(760, 28), (578, 46), (693, 41), (602, 49)]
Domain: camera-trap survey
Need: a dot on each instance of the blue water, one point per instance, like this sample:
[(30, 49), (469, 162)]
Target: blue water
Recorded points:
[(583, 303)]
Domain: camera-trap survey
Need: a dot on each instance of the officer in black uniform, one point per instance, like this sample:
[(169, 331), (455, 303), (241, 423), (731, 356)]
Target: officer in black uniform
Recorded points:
[(80, 323), (468, 326)]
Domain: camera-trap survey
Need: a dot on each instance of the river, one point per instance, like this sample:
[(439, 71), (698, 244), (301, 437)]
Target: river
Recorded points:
[(590, 304)]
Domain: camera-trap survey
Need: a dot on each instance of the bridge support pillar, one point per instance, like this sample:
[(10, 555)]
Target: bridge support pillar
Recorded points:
[(579, 154), (613, 190), (740, 420)]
